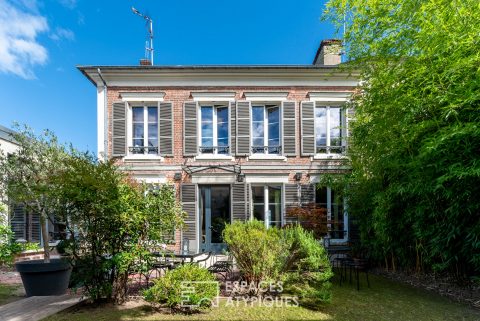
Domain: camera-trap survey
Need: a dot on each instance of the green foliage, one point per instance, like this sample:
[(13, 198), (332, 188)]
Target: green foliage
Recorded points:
[(8, 247), (306, 268), (291, 255), (255, 248), (415, 181), (168, 289), (112, 224)]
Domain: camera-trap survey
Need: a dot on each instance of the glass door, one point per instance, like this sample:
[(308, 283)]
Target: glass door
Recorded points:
[(214, 215), (267, 204)]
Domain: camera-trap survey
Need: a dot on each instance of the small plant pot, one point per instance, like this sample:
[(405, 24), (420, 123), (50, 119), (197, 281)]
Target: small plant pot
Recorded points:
[(41, 279)]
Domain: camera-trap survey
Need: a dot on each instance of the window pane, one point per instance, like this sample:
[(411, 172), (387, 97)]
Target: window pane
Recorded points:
[(152, 115), (321, 126), (335, 123), (223, 142), (207, 130), (222, 131), (222, 115), (138, 131), (321, 196), (259, 212), (275, 194), (207, 141), (137, 114), (257, 113), (207, 113), (258, 194), (258, 130), (273, 114), (273, 132), (138, 142), (152, 131), (275, 214), (258, 142)]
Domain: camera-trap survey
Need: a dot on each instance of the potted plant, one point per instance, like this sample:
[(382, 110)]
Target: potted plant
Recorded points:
[(26, 178)]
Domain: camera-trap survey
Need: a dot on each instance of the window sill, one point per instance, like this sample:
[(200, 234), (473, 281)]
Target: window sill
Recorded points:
[(143, 158), (214, 157), (330, 156), (267, 157)]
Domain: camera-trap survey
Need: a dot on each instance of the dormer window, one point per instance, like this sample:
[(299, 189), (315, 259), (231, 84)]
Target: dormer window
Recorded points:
[(214, 137)]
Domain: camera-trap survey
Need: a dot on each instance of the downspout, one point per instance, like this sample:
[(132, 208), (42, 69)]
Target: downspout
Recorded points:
[(105, 114)]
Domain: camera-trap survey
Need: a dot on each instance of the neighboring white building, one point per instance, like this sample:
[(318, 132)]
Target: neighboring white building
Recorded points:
[(7, 145)]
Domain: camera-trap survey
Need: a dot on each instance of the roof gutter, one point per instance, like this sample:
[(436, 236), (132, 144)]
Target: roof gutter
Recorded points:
[(105, 117)]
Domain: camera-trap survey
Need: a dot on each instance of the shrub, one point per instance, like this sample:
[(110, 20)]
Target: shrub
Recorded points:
[(291, 255), (307, 269), (256, 249), (167, 290), (8, 246)]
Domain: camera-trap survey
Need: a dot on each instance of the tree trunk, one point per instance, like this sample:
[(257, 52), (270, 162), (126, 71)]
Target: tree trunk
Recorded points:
[(43, 223)]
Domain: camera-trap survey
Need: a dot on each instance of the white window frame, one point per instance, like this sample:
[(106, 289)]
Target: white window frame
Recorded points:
[(215, 106), (265, 129), (343, 129), (145, 128), (329, 215), (266, 203)]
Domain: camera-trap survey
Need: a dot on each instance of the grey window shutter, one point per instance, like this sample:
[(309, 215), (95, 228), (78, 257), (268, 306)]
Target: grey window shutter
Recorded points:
[(307, 194), (18, 221), (119, 129), (233, 128), (165, 127), (308, 128), (240, 208), (289, 128), (189, 200), (243, 128), (291, 201), (34, 228), (190, 141)]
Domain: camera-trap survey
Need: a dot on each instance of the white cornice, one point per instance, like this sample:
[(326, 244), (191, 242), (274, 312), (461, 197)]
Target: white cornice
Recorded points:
[(142, 96), (266, 96), (330, 96), (213, 96)]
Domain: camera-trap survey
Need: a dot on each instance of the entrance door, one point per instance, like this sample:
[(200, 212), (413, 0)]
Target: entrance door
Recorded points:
[(214, 215)]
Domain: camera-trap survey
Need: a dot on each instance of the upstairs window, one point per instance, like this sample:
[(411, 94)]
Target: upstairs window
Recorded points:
[(328, 130), (144, 130), (266, 129), (214, 130)]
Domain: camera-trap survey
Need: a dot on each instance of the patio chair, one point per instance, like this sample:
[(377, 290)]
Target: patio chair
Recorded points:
[(204, 260), (223, 267), (357, 266)]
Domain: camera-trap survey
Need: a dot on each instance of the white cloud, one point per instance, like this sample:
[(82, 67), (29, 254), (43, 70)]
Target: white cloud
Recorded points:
[(20, 25), (62, 33)]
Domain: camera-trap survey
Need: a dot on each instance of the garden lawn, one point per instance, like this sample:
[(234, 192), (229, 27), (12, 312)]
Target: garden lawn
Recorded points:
[(8, 293), (385, 300)]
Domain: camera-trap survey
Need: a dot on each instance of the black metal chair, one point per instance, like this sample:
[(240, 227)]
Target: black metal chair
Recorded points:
[(356, 265), (222, 267)]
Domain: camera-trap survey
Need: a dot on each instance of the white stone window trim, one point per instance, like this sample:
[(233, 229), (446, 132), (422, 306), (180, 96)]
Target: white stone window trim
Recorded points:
[(215, 155), (135, 157), (262, 96), (142, 96), (205, 96)]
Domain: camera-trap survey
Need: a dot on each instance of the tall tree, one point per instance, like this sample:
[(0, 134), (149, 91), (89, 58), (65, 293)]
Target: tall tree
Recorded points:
[(415, 139)]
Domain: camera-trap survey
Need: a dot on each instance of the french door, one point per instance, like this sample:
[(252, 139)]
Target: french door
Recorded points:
[(214, 215)]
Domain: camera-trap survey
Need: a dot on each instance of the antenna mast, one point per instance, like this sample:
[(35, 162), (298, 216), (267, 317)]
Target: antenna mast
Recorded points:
[(149, 44)]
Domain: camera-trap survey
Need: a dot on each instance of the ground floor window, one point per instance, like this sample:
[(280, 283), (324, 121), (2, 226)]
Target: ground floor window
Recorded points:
[(267, 204), (328, 198)]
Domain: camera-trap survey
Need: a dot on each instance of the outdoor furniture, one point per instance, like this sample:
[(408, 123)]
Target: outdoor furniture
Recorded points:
[(356, 265), (204, 260), (222, 267)]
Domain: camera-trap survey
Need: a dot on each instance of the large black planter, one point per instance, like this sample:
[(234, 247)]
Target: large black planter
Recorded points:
[(40, 278)]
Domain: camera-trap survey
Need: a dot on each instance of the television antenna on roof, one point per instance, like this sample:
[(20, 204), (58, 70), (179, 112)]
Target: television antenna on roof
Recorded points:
[(148, 43)]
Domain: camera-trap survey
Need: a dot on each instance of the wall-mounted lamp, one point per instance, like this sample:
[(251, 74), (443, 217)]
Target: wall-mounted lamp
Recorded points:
[(177, 176), (241, 178), (298, 176)]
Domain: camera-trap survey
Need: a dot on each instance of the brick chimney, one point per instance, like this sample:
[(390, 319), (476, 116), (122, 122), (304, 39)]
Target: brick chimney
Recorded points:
[(145, 62), (329, 53)]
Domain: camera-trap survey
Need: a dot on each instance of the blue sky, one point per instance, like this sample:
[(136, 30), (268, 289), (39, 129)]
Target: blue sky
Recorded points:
[(41, 42)]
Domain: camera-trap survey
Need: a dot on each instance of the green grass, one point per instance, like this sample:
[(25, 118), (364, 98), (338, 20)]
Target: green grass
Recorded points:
[(385, 300), (7, 293)]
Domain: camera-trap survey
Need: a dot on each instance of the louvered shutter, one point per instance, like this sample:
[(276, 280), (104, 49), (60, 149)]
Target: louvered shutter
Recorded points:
[(34, 228), (119, 129), (189, 205), (233, 128), (18, 221), (243, 128), (240, 207), (165, 128), (308, 128), (289, 128), (190, 142), (291, 201), (307, 194)]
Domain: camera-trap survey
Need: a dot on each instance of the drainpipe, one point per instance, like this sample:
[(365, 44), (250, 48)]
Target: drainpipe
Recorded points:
[(105, 114)]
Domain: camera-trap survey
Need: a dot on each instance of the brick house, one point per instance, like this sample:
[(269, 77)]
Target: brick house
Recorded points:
[(237, 141)]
